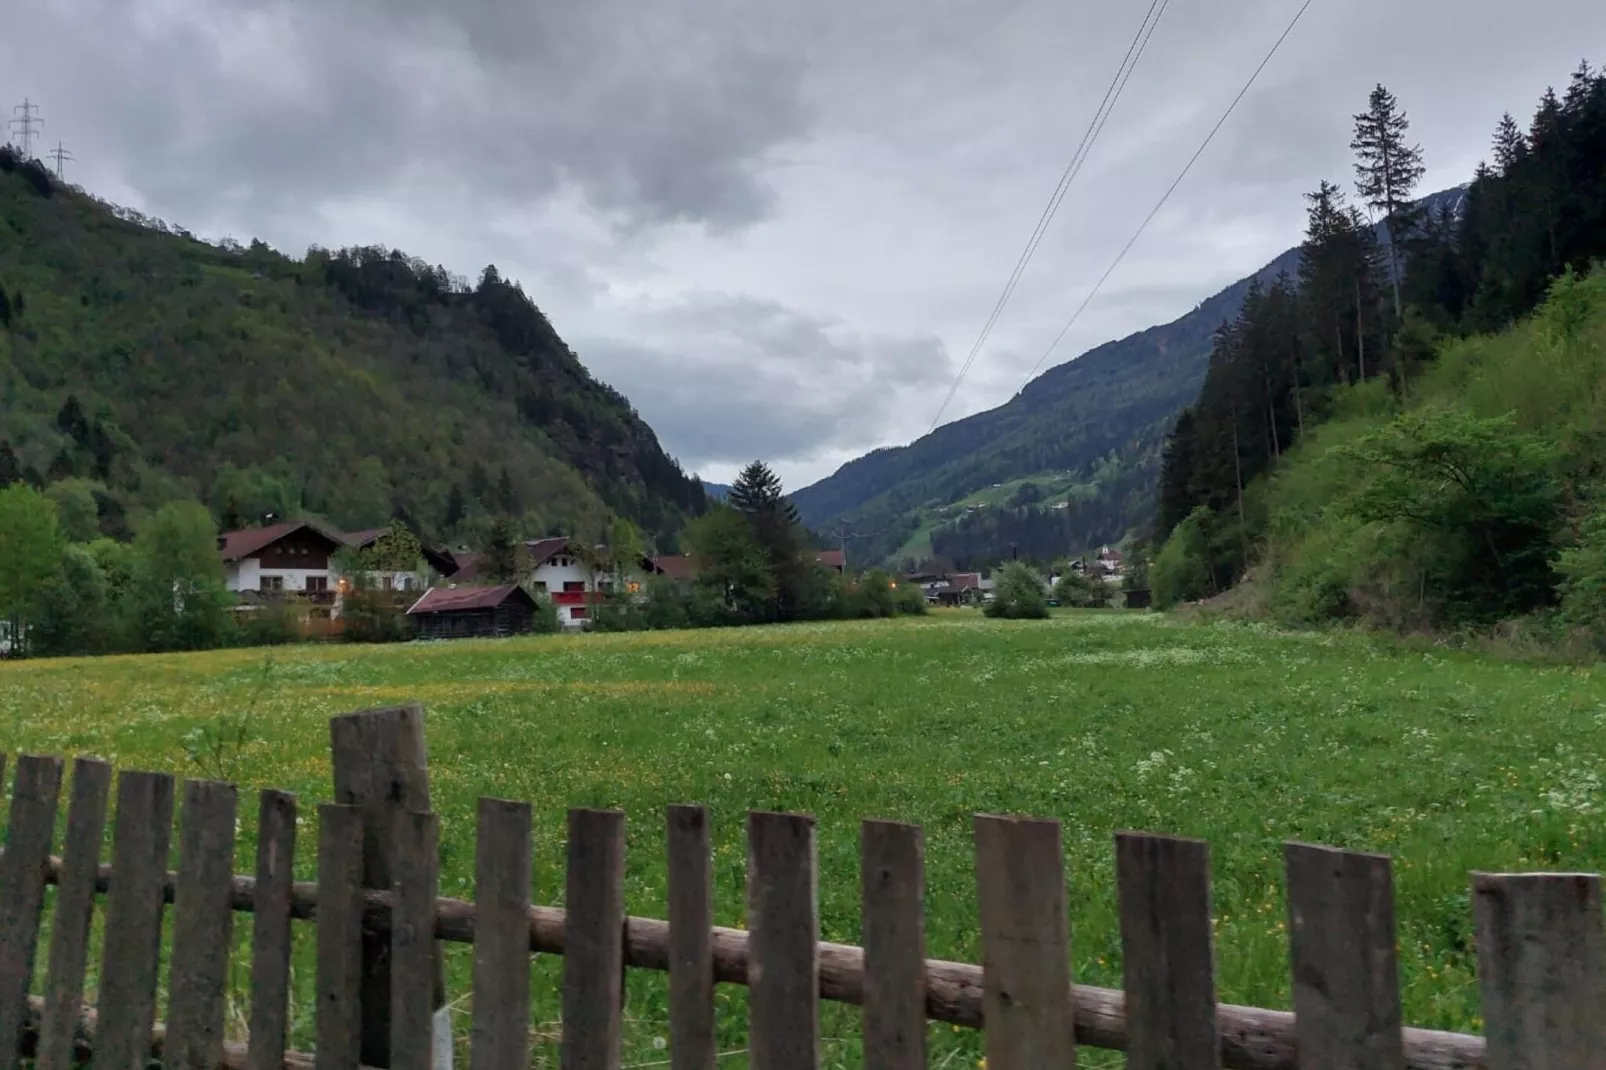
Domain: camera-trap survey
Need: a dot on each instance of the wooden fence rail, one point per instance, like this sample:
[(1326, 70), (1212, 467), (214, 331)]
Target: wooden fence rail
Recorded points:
[(1541, 949)]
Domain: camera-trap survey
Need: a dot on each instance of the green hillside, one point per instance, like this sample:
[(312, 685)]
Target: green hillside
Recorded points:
[(1480, 495), (1423, 455), (139, 365)]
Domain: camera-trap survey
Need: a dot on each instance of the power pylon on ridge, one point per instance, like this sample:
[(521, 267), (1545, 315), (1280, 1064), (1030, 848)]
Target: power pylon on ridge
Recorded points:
[(24, 129), (61, 156)]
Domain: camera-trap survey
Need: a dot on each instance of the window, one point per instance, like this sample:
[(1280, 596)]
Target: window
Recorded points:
[(605, 586), (271, 583), (317, 583), (539, 586), (570, 586), (577, 613)]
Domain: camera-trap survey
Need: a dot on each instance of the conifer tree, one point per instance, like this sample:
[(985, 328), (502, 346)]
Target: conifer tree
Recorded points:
[(1510, 146), (1387, 169)]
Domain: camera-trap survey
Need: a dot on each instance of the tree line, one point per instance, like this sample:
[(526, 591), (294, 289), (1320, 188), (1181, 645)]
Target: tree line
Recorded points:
[(1371, 306)]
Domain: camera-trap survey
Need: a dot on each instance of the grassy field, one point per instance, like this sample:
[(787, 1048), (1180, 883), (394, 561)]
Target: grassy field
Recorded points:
[(1104, 720)]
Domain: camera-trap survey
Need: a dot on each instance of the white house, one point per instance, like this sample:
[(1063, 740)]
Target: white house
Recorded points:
[(287, 562)]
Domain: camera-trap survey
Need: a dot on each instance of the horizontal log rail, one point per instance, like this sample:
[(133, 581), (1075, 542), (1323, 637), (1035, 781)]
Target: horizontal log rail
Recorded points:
[(1251, 1038)]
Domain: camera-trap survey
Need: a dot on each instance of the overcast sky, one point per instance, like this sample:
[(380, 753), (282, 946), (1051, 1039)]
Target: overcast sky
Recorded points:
[(778, 228)]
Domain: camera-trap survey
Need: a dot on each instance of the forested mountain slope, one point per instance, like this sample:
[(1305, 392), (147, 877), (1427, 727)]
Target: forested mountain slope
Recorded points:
[(1427, 453), (143, 365), (1087, 433)]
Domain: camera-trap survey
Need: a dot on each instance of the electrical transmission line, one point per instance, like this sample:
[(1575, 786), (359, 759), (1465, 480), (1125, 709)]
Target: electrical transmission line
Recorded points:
[(26, 127), (1166, 196), (61, 156), (1134, 52)]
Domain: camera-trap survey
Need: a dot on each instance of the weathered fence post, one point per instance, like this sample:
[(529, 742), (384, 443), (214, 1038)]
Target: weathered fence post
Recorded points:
[(380, 767)]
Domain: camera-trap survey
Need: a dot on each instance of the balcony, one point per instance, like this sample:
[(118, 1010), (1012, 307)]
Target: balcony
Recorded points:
[(295, 598), (576, 598)]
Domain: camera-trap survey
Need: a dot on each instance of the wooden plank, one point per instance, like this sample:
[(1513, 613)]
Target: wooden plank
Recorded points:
[(502, 874), (338, 1044), (783, 948), (270, 929), (22, 891), (203, 927), (1341, 945), (593, 936), (75, 905), (1542, 970), (1025, 943), (380, 765), (692, 1042), (130, 959), (1164, 890), (412, 942), (893, 882)]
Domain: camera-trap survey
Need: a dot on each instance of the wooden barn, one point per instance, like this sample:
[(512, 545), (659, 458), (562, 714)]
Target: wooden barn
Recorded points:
[(473, 612)]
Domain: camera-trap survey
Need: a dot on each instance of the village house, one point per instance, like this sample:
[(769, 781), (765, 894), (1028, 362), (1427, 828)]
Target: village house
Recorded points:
[(375, 540), (288, 563)]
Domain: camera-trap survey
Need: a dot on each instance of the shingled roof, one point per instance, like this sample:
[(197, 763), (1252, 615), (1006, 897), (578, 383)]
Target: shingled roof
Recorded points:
[(457, 599), (234, 545)]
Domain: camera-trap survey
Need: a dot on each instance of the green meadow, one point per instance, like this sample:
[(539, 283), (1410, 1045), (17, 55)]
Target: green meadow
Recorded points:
[(1238, 734)]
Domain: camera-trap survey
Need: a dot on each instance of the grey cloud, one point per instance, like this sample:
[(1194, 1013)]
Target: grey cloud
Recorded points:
[(653, 114), (727, 379)]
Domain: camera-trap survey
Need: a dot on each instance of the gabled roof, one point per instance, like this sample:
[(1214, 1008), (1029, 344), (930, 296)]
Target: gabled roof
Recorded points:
[(677, 567), (235, 545), (363, 539), (543, 550), (831, 559), (455, 599)]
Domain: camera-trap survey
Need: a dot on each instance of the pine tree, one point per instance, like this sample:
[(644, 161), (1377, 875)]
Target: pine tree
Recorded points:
[(1174, 498), (1510, 146), (503, 559), (10, 466), (1387, 169), (757, 495), (456, 508)]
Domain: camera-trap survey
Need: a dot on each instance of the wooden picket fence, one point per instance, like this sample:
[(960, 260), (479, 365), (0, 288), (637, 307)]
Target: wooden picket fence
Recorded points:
[(378, 917)]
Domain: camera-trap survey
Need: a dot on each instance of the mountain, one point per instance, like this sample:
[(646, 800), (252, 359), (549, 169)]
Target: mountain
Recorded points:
[(1079, 445), (139, 364), (718, 491)]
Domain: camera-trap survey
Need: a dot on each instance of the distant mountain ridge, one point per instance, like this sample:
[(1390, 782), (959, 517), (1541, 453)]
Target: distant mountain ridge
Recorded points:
[(1095, 424)]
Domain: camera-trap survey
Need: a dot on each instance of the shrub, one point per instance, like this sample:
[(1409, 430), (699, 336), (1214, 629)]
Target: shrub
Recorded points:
[(1583, 571), (1017, 594), (1081, 591), (1181, 571)]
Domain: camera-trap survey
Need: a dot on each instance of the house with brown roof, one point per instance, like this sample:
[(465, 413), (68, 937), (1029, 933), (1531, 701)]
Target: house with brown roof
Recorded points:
[(388, 579), (283, 563), (835, 560), (473, 612)]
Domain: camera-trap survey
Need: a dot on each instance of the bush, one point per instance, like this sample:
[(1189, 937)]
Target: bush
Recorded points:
[(269, 625), (1081, 591), (372, 616), (1017, 594), (1181, 571), (1583, 586), (545, 619), (909, 600)]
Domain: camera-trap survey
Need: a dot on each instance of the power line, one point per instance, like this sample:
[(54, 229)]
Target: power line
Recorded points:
[(25, 127), (61, 156), (1134, 52), (1167, 195)]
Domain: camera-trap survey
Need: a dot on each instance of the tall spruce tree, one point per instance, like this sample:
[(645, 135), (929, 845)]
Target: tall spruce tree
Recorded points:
[(758, 495), (1387, 169)]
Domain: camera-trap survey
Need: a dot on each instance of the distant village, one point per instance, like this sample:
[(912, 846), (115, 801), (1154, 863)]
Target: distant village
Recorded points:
[(446, 594)]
